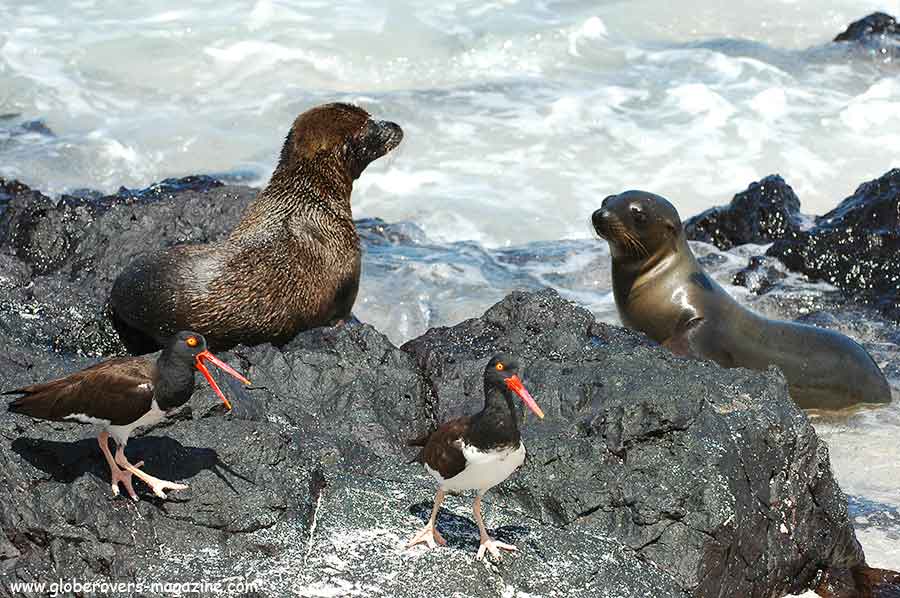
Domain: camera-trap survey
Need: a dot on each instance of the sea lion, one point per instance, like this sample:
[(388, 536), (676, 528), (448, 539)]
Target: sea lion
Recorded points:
[(292, 262), (661, 290)]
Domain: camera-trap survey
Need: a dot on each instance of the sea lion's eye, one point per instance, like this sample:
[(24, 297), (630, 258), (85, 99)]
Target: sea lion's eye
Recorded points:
[(500, 367), (638, 215), (192, 341)]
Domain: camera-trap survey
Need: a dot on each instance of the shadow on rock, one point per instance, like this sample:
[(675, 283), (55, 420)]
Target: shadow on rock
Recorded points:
[(463, 531), (163, 457)]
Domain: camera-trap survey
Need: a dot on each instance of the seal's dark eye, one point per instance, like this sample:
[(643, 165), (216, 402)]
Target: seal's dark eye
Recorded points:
[(637, 214)]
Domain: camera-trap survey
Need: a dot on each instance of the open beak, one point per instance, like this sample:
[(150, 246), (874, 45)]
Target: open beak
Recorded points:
[(514, 383), (207, 356)]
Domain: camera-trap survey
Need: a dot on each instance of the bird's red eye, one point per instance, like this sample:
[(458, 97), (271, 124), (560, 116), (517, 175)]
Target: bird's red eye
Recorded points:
[(500, 367), (192, 341)]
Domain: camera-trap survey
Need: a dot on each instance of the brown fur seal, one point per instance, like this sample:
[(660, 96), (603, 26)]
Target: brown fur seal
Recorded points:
[(661, 290), (292, 262)]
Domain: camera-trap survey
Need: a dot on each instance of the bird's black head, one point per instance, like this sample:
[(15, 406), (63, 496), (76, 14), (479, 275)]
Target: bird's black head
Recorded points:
[(188, 347), (500, 368), (502, 372)]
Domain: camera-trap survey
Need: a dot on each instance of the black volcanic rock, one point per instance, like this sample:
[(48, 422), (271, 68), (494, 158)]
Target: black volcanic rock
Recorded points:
[(340, 402), (877, 24), (11, 190), (761, 274), (628, 449), (62, 256), (363, 525), (651, 475), (85, 232), (856, 246), (766, 211), (876, 36)]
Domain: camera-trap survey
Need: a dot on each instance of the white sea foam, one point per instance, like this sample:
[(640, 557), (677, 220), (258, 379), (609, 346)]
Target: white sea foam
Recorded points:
[(549, 108)]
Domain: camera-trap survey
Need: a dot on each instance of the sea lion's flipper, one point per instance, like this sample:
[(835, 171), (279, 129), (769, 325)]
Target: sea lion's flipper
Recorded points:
[(682, 342), (678, 345)]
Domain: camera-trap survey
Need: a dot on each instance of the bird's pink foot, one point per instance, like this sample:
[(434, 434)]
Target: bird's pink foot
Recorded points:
[(494, 547), (429, 536), (160, 486), (157, 485), (121, 476)]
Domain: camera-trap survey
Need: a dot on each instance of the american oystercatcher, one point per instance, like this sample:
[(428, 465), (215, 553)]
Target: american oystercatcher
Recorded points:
[(122, 394), (477, 452)]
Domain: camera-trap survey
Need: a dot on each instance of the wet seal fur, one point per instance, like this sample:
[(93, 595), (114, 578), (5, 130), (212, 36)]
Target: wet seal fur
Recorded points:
[(292, 262), (661, 290)]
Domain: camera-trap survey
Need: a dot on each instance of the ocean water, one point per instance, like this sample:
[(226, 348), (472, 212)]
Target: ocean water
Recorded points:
[(519, 118)]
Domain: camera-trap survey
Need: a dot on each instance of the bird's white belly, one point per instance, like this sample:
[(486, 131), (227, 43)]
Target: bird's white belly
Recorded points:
[(121, 433), (484, 469)]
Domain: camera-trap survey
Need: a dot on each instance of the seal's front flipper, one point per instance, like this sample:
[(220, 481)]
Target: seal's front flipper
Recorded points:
[(681, 343), (678, 345), (699, 338)]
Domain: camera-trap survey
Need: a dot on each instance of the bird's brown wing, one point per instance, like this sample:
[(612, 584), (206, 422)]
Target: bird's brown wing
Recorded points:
[(118, 390), (441, 450)]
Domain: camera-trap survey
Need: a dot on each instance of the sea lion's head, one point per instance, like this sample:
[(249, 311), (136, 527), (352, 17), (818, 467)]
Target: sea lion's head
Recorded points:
[(340, 136), (637, 225)]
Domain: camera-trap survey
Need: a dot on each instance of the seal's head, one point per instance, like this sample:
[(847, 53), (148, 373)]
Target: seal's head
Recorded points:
[(340, 136), (637, 225)]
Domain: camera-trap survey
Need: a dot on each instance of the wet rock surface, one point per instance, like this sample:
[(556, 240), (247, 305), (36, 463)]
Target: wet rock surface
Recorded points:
[(313, 491), (60, 257), (343, 395), (651, 475), (876, 35), (617, 425), (767, 210), (856, 246), (761, 274), (877, 24)]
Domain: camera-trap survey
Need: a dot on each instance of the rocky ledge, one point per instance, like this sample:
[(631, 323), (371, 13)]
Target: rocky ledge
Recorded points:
[(650, 476), (855, 247), (875, 36)]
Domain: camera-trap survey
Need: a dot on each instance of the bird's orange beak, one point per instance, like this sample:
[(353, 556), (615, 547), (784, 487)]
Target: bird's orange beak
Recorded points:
[(207, 356), (514, 383)]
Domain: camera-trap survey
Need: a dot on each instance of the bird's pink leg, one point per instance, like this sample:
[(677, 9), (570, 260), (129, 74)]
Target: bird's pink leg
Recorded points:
[(158, 486), (116, 475), (429, 535), (487, 543)]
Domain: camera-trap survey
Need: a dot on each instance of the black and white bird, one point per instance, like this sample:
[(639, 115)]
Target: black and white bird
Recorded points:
[(477, 452), (122, 394)]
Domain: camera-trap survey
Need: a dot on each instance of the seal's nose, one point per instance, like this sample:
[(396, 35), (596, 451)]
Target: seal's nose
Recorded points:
[(599, 219), (390, 133)]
